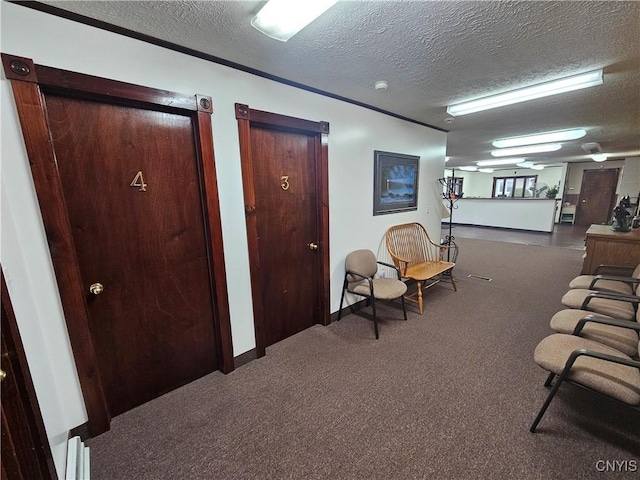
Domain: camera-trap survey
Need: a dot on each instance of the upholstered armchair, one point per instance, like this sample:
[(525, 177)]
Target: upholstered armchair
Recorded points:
[(590, 364), (360, 278)]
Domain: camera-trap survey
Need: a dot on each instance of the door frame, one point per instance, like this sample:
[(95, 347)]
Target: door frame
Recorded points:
[(248, 117), (28, 81), (27, 443)]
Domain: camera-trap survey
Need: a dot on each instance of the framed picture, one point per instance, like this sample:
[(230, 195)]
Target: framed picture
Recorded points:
[(395, 183)]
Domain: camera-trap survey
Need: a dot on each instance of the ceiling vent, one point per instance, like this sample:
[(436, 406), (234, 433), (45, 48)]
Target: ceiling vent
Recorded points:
[(592, 147)]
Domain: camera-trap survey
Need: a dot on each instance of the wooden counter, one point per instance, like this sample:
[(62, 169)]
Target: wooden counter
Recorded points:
[(606, 247)]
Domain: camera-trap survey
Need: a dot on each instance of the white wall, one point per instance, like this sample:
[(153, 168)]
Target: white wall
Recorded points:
[(355, 134)]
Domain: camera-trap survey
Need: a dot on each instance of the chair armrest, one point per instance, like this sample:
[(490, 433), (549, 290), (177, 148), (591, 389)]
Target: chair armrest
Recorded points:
[(625, 270), (610, 296), (391, 266), (629, 280), (605, 321), (600, 356)]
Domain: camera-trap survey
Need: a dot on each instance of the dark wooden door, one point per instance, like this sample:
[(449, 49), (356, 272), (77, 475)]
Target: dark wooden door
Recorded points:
[(25, 449), (284, 168), (126, 182), (286, 201), (131, 189), (597, 196)]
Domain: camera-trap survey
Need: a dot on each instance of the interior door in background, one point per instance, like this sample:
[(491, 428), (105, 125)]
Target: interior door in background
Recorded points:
[(285, 187), (597, 196)]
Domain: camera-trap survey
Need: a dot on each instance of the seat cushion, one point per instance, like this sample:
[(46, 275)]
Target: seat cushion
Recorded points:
[(623, 339), (618, 381), (383, 288), (584, 281), (614, 308)]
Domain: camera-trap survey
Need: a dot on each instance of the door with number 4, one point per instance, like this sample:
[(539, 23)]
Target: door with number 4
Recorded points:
[(127, 191)]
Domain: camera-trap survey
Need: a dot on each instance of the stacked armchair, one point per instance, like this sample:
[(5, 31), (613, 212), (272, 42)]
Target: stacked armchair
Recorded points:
[(597, 344)]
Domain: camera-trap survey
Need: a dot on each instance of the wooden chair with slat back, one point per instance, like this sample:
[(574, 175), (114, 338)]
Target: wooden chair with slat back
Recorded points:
[(418, 258)]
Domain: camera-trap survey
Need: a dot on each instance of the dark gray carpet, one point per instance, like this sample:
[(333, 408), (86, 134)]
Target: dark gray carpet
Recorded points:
[(446, 395)]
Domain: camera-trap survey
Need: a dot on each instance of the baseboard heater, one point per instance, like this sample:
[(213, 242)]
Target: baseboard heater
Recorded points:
[(77, 460)]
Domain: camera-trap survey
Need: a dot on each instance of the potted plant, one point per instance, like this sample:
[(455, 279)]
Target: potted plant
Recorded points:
[(552, 192)]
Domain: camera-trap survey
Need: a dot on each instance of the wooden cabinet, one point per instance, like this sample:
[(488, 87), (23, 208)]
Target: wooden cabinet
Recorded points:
[(606, 247)]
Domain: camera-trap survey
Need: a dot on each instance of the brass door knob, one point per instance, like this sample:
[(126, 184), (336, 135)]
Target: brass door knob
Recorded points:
[(3, 375), (96, 288), (313, 246)]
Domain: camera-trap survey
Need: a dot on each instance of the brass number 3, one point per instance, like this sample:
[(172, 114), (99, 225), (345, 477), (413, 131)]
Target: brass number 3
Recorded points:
[(138, 181), (285, 182)]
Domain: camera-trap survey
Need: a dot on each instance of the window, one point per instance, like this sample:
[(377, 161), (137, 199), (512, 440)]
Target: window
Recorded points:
[(514, 187), (454, 185)]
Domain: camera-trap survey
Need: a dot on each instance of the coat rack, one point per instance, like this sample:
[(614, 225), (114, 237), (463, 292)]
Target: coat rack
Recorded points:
[(451, 196)]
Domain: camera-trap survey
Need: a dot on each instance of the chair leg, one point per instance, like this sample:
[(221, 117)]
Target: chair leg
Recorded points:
[(344, 288), (404, 310), (546, 403), (375, 318), (419, 285), (453, 280), (550, 378)]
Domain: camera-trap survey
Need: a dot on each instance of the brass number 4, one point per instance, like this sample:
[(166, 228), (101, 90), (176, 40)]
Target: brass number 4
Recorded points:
[(138, 181)]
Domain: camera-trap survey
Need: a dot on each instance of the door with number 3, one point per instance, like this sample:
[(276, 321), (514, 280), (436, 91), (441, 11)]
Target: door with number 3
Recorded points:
[(136, 246), (284, 162)]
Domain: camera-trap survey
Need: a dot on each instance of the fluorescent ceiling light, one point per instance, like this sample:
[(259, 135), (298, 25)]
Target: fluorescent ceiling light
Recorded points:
[(599, 157), (505, 161), (486, 170), (548, 137), (562, 85), (508, 152), (468, 169), (282, 19)]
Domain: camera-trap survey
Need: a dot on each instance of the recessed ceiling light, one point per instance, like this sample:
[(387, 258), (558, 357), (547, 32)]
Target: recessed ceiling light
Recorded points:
[(486, 170), (599, 157), (547, 137), (446, 159), (537, 167), (468, 169), (505, 161), (282, 19), (545, 147), (525, 164), (562, 85)]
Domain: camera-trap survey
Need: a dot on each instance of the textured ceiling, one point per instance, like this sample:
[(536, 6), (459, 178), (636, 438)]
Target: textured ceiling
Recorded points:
[(433, 53)]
